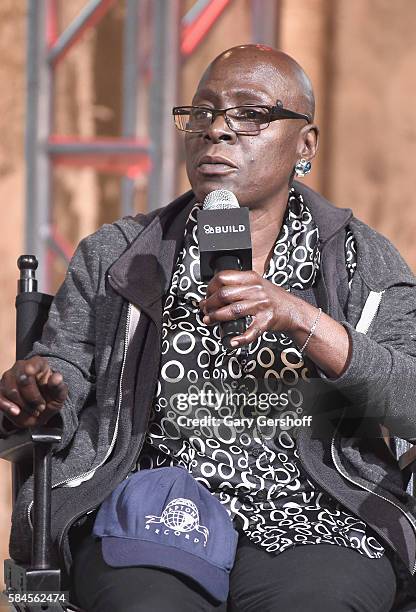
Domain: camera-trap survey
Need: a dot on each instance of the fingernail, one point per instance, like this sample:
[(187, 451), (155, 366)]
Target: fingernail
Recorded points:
[(233, 342), (14, 410), (23, 377), (205, 319)]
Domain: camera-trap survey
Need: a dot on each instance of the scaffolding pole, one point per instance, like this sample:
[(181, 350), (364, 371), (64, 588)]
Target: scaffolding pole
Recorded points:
[(165, 77), (38, 126), (264, 21), (130, 86)]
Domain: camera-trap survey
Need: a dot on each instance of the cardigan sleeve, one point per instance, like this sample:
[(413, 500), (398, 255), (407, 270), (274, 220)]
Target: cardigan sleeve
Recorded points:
[(379, 381)]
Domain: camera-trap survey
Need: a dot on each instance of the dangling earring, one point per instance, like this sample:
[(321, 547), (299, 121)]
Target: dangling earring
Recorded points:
[(303, 167)]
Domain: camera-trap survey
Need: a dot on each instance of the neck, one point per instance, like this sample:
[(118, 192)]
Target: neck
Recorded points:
[(265, 224)]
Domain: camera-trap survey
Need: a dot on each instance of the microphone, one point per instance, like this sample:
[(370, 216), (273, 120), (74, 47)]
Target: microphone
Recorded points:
[(224, 244)]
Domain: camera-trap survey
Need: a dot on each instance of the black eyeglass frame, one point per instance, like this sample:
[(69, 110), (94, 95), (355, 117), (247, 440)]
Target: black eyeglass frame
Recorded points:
[(276, 112)]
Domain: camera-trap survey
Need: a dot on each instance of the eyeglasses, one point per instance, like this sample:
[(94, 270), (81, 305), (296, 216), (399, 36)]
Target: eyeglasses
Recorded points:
[(247, 119)]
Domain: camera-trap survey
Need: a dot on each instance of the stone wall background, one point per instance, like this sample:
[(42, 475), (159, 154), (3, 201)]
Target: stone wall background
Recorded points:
[(360, 54)]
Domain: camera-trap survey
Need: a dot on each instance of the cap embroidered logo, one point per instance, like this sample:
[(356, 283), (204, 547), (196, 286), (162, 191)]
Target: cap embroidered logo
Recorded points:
[(182, 516)]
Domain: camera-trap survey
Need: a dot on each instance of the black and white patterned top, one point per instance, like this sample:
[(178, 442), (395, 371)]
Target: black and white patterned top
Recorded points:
[(206, 397)]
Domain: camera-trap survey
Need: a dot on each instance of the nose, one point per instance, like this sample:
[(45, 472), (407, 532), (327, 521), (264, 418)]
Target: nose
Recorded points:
[(219, 131)]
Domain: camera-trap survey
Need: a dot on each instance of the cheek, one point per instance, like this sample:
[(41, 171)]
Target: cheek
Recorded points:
[(276, 155), (189, 160), (188, 167), (191, 146), (188, 154)]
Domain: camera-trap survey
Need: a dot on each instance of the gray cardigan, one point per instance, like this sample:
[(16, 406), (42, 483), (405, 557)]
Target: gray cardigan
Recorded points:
[(103, 334)]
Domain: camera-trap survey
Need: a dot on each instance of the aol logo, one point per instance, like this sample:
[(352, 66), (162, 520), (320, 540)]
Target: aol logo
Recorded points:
[(224, 229)]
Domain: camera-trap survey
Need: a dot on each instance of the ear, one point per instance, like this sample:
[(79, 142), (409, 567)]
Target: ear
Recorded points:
[(308, 141)]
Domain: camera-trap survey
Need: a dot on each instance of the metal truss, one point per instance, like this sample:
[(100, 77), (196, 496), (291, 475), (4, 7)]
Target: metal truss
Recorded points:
[(175, 39)]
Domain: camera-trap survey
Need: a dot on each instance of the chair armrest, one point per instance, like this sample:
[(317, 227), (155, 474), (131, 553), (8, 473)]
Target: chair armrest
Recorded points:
[(17, 447)]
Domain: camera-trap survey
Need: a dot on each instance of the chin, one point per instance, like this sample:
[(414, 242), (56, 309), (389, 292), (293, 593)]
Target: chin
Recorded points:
[(202, 190)]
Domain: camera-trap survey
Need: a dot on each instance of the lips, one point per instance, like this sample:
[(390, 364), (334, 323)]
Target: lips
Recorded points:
[(215, 164)]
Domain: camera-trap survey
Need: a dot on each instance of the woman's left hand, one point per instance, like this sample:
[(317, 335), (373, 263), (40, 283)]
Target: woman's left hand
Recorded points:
[(233, 294)]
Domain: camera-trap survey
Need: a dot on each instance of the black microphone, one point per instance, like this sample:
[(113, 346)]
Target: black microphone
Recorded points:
[(224, 244)]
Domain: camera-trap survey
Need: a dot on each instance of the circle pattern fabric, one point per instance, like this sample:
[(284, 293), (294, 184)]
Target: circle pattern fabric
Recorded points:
[(211, 409), (350, 255)]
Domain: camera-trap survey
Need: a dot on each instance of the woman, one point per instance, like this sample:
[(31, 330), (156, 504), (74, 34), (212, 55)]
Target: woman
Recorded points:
[(324, 521)]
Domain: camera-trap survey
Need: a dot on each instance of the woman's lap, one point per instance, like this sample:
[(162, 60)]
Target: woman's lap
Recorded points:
[(101, 588), (310, 577), (307, 577)]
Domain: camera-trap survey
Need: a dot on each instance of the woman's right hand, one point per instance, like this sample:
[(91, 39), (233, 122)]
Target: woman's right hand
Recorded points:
[(31, 393)]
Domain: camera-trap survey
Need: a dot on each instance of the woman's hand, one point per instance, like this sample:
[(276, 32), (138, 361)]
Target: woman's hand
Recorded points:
[(31, 393), (235, 294)]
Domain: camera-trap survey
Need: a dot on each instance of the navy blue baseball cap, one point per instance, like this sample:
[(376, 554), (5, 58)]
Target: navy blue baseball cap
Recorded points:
[(165, 518)]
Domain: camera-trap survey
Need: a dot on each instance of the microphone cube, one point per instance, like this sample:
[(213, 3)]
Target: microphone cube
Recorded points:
[(223, 232)]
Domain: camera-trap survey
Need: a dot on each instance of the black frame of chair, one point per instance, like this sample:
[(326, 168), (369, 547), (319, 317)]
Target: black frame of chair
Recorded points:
[(30, 452)]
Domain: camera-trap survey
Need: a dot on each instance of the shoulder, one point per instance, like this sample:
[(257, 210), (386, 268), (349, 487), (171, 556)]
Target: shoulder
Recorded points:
[(378, 260), (131, 227), (366, 233), (111, 239)]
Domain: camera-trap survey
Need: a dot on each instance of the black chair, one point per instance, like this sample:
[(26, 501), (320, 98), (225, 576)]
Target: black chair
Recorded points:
[(29, 451)]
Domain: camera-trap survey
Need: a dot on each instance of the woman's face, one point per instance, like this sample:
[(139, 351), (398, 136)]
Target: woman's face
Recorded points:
[(255, 168)]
